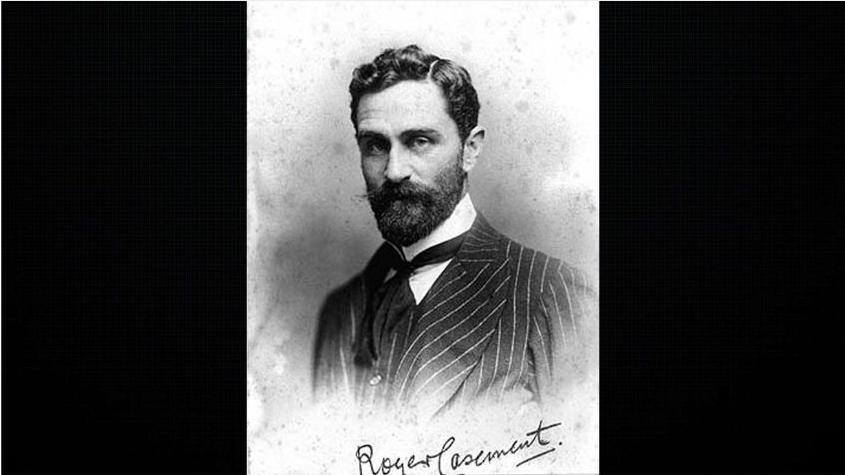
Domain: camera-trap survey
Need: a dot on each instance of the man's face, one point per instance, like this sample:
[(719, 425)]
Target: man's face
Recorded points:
[(411, 156)]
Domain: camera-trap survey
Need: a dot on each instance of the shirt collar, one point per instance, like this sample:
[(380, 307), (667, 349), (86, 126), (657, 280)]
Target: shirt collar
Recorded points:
[(459, 222)]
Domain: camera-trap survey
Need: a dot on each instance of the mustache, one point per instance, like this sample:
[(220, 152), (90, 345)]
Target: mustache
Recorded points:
[(392, 191)]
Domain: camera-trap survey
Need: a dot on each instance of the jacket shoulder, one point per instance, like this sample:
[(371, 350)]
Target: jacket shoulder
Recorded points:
[(544, 272)]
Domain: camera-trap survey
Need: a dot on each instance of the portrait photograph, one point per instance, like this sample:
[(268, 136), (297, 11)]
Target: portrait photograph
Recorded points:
[(422, 237)]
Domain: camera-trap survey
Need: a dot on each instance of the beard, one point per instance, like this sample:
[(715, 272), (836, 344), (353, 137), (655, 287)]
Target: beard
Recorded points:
[(407, 212)]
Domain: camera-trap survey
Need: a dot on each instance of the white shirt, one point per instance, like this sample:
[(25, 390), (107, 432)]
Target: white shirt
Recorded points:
[(456, 224)]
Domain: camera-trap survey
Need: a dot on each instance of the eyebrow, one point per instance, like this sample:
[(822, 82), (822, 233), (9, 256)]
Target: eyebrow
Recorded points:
[(404, 135), (422, 131)]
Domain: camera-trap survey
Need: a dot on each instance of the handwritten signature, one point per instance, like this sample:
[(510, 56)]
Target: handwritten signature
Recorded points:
[(364, 454)]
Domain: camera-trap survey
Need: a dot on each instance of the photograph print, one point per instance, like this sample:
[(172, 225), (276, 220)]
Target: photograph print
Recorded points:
[(423, 237)]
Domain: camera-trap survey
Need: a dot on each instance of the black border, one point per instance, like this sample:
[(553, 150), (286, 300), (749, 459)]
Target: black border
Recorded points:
[(124, 204), (721, 237)]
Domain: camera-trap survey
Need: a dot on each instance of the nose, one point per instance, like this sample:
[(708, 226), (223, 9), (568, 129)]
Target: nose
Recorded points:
[(398, 168)]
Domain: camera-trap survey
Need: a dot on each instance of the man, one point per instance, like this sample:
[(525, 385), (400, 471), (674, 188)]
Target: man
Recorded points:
[(448, 311)]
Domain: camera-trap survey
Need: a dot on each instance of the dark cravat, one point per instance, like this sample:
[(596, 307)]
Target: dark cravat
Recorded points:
[(394, 300)]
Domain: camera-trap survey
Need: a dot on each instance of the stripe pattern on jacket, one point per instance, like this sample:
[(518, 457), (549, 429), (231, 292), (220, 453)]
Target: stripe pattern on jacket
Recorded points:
[(501, 317)]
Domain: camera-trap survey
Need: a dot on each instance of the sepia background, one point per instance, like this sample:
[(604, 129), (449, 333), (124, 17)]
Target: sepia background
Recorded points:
[(535, 68)]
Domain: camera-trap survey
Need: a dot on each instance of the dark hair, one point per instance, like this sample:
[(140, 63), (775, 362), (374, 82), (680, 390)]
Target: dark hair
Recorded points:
[(414, 64)]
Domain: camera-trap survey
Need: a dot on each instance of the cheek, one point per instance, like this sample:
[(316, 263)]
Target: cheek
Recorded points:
[(435, 164), (373, 171)]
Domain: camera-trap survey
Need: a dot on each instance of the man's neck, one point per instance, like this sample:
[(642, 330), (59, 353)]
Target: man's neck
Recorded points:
[(456, 224)]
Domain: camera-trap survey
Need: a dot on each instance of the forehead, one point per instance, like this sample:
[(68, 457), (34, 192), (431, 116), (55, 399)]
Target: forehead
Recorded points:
[(404, 106)]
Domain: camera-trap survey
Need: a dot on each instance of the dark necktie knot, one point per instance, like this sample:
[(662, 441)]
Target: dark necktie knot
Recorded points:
[(434, 255)]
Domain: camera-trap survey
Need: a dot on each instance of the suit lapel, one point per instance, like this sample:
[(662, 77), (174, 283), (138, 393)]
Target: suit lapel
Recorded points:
[(454, 322)]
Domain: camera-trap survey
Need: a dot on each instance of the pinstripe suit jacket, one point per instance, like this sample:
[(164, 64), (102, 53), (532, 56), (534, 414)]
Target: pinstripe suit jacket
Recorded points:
[(500, 318)]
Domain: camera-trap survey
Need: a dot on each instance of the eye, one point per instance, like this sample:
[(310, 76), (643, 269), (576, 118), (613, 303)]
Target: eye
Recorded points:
[(420, 142), (375, 147)]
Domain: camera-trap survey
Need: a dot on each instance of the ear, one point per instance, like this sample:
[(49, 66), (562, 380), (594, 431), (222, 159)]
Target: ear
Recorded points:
[(472, 148)]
